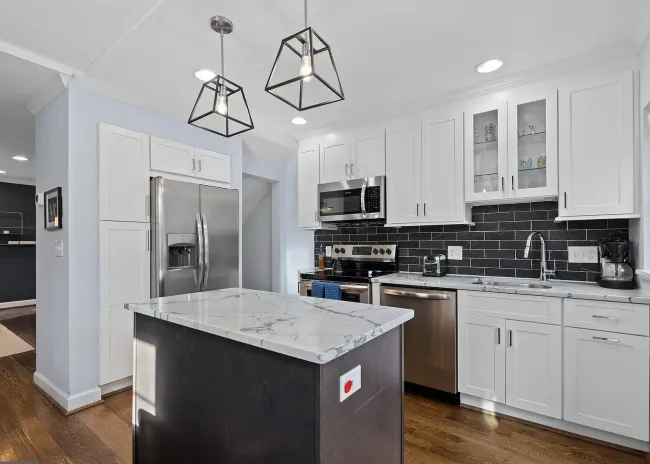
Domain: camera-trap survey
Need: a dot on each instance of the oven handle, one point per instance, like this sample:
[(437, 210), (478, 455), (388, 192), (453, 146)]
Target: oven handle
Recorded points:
[(424, 296), (363, 197), (344, 287)]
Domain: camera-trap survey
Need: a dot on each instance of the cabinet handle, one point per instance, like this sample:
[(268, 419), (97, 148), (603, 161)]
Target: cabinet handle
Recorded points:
[(200, 165), (425, 209), (147, 206), (351, 169), (316, 216), (498, 335), (503, 180), (513, 183), (605, 339), (417, 209), (193, 164), (611, 318), (509, 337), (565, 200), (148, 239), (346, 169)]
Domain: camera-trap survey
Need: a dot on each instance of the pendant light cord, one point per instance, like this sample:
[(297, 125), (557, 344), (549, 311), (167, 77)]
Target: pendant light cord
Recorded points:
[(306, 14), (222, 68)]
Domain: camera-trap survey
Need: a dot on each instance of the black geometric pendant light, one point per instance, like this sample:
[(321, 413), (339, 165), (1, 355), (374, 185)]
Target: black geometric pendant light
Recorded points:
[(221, 106), (304, 75)]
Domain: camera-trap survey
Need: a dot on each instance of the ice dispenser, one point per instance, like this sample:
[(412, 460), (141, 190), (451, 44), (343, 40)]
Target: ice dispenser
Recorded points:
[(182, 251)]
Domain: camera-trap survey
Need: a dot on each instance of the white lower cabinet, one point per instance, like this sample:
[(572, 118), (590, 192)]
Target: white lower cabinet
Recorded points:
[(482, 357), (124, 277), (534, 367), (606, 381)]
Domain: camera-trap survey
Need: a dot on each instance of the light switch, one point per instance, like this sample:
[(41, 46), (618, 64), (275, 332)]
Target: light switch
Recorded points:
[(58, 248), (455, 252), (349, 383)]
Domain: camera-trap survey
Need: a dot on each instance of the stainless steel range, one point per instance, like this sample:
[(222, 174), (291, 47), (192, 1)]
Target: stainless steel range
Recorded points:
[(353, 267)]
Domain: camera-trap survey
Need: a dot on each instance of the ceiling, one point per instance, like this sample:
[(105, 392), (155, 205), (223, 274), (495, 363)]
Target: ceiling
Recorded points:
[(393, 56), (20, 83)]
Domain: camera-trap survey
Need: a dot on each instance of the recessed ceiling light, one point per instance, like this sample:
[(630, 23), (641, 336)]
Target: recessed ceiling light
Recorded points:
[(489, 66), (205, 75), (20, 158), (299, 121), (3, 172)]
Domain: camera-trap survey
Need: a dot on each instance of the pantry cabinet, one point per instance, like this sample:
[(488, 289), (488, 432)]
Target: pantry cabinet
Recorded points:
[(607, 381), (596, 146), (123, 174), (124, 263)]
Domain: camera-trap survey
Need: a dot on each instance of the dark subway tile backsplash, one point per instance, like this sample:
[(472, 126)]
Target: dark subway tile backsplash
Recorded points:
[(494, 246)]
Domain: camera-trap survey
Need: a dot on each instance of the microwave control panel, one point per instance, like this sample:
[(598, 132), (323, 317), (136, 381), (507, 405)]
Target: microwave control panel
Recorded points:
[(373, 204)]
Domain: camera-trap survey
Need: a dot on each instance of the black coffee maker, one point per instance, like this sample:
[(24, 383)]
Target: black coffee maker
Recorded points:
[(615, 268)]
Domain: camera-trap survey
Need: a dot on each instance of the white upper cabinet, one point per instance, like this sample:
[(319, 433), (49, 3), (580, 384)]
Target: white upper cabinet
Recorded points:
[(442, 172), (368, 152), (212, 166), (334, 158), (486, 150), (123, 175), (404, 171), (534, 367), (308, 178), (532, 144), (596, 140), (172, 157)]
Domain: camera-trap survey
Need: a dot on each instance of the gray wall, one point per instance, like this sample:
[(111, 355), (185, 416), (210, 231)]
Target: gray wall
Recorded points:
[(257, 234), (52, 274)]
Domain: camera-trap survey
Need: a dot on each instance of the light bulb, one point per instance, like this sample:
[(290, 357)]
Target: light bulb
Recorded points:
[(305, 66), (222, 103)]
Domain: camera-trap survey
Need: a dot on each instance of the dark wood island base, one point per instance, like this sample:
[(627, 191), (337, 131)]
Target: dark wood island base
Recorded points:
[(201, 398)]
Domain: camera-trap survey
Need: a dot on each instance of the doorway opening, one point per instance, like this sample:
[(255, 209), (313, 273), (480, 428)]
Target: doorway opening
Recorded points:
[(257, 233)]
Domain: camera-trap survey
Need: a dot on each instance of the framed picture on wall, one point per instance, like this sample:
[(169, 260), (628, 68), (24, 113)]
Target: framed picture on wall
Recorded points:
[(53, 209)]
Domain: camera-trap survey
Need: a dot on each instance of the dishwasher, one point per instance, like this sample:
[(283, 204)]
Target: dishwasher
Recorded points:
[(430, 337)]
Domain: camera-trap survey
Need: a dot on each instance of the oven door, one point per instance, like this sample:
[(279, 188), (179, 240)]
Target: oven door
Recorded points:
[(358, 199), (354, 292)]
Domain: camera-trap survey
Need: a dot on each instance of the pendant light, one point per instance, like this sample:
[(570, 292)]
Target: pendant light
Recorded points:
[(304, 74), (221, 106)]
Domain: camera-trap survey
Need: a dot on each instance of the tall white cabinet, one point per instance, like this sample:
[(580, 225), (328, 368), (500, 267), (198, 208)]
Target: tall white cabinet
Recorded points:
[(597, 146)]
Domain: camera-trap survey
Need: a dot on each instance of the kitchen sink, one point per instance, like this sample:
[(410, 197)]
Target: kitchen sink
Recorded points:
[(505, 283)]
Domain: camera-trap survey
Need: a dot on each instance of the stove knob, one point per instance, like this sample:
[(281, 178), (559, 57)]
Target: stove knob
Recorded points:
[(381, 251), (336, 250), (343, 250), (389, 251), (375, 251)]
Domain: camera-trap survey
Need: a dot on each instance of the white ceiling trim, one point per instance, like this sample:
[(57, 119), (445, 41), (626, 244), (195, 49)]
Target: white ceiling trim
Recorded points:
[(48, 94), (527, 77), (11, 180), (35, 58)]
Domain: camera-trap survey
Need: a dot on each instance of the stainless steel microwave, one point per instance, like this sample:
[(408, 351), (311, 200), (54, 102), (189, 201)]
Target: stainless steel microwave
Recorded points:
[(352, 200)]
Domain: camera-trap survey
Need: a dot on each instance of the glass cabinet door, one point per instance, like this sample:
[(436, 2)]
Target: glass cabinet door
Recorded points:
[(532, 147), (485, 149)]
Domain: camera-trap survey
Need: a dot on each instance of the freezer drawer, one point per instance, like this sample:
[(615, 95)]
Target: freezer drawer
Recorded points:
[(430, 357)]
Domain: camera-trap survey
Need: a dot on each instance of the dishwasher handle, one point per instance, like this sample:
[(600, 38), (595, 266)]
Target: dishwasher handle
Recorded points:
[(421, 295)]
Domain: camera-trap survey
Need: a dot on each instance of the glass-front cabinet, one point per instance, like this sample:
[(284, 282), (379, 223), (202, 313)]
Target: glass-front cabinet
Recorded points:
[(511, 146), (532, 144), (486, 151)]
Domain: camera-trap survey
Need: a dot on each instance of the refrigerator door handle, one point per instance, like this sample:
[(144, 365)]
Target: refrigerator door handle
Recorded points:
[(199, 236), (206, 251)]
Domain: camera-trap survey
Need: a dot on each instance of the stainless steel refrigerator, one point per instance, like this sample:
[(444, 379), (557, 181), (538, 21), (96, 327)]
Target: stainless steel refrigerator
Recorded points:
[(195, 238)]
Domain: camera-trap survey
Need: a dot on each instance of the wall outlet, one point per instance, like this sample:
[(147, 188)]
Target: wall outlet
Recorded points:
[(328, 251), (583, 254), (58, 248), (455, 252)]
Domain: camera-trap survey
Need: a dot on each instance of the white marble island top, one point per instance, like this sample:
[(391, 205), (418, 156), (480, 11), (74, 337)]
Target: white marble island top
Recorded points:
[(559, 288), (311, 329)]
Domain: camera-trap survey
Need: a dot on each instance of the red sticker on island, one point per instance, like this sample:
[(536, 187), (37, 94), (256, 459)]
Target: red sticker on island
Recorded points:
[(349, 383)]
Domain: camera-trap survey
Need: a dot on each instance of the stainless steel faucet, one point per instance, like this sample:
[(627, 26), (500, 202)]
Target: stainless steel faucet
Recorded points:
[(543, 273)]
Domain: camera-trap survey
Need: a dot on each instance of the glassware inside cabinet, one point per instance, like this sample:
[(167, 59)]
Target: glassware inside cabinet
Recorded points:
[(486, 152), (531, 145)]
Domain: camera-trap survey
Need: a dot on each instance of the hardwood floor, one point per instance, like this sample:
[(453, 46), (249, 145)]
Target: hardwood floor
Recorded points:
[(31, 429)]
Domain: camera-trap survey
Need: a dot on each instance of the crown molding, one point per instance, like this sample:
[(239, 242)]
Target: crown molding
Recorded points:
[(13, 180), (528, 77), (33, 57)]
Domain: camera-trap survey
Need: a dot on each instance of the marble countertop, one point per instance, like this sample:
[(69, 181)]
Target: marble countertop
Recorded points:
[(311, 329), (560, 289)]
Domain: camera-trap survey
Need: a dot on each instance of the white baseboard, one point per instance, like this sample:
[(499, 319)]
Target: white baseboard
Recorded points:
[(554, 423), (67, 402), (17, 304), (117, 385)]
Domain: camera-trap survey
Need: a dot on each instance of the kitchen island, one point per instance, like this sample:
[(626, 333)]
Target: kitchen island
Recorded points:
[(240, 376)]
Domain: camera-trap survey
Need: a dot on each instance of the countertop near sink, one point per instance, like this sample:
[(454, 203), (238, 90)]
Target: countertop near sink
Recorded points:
[(560, 289)]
